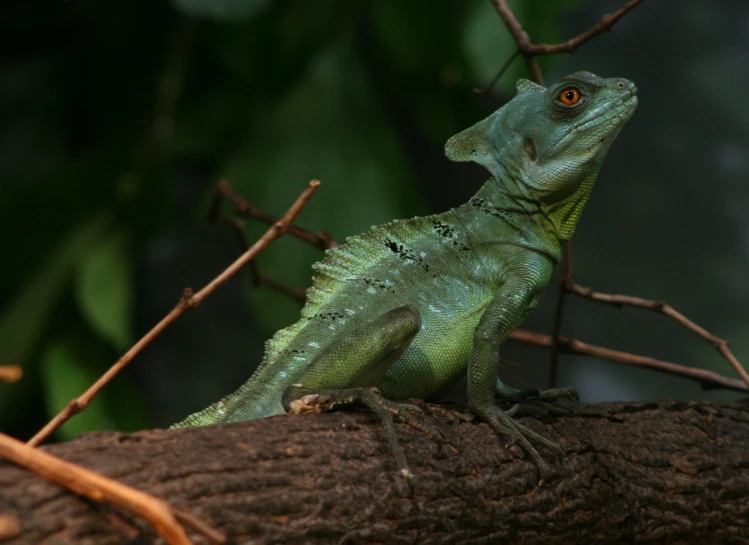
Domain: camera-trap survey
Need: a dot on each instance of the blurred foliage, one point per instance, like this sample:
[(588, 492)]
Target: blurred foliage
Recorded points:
[(119, 117), (127, 113)]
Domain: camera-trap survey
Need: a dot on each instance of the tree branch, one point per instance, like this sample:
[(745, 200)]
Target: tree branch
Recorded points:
[(332, 479)]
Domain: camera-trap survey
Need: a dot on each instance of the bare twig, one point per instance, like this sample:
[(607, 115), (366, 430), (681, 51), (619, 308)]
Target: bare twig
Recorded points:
[(96, 487), (529, 49), (246, 209), (199, 526), (606, 22), (10, 526), (573, 346), (188, 301), (565, 275), (258, 278), (498, 75), (721, 345), (10, 373)]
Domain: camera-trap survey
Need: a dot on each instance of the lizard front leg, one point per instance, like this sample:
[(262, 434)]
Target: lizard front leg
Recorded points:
[(349, 368), (503, 314)]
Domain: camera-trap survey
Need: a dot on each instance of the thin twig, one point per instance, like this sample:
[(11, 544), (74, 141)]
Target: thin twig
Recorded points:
[(246, 209), (556, 328), (199, 526), (498, 75), (188, 301), (721, 345), (10, 526), (10, 373), (573, 346), (95, 487), (606, 22), (258, 278), (529, 49)]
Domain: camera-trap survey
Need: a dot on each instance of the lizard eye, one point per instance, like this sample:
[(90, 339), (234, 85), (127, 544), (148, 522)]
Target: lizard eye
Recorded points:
[(569, 96)]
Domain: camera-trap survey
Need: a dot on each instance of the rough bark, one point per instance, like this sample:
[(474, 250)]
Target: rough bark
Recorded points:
[(648, 472)]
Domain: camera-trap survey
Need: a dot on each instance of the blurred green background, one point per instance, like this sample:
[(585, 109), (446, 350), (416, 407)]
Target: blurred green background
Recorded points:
[(119, 117)]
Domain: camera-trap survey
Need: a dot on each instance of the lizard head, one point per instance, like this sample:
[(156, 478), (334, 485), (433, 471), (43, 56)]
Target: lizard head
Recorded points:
[(547, 144)]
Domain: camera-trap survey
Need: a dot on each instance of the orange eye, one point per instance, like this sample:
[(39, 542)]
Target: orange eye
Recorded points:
[(570, 96)]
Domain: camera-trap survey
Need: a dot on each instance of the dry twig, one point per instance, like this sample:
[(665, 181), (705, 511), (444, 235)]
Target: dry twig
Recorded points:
[(721, 345), (246, 209), (10, 526), (10, 373), (98, 488), (258, 278), (709, 379), (189, 300)]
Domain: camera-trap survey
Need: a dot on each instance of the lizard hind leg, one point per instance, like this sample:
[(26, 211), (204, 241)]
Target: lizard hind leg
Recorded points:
[(323, 400), (349, 368)]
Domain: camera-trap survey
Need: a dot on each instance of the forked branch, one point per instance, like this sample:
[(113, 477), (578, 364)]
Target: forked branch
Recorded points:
[(721, 345)]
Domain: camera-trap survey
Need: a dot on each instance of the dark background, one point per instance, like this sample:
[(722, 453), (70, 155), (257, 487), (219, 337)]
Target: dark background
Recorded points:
[(119, 117)]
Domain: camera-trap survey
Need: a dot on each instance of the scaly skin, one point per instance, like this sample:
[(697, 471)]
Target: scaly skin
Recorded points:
[(413, 306)]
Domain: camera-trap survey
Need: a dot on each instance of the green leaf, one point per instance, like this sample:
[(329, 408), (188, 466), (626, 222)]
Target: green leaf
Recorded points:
[(104, 289), (23, 319), (330, 126), (221, 10), (64, 378)]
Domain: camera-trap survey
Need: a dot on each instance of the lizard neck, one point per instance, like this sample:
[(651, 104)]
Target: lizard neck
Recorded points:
[(556, 213), (504, 214)]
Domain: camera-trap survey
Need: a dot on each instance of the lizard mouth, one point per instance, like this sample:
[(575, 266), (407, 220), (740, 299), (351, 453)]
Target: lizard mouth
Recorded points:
[(613, 114)]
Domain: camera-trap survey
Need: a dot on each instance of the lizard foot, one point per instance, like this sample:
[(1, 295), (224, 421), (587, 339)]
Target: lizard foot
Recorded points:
[(325, 400), (503, 423)]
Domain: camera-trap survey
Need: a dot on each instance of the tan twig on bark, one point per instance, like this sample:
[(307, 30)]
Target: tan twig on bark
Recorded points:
[(189, 300), (10, 526), (99, 488), (10, 373)]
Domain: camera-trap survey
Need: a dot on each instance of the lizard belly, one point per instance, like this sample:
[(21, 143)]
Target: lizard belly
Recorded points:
[(436, 360)]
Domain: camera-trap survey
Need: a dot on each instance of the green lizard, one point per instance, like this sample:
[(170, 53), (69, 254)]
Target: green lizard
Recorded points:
[(414, 306)]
